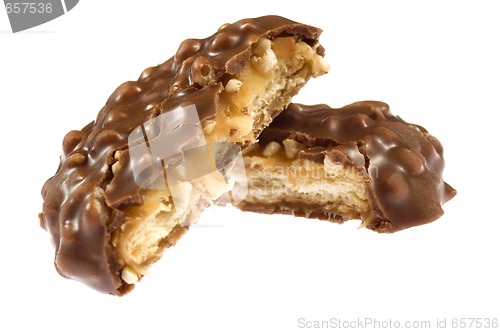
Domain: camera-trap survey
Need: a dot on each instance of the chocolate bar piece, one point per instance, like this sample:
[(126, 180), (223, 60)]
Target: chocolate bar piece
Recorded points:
[(109, 224), (356, 162)]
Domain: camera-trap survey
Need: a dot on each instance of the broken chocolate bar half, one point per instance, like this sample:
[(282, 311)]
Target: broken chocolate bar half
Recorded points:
[(356, 162), (106, 226)]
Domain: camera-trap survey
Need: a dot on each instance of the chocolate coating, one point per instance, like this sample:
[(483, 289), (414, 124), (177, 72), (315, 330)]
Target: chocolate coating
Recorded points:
[(402, 162), (84, 201)]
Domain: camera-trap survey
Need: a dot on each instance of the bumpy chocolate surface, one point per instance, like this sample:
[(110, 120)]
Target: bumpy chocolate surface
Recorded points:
[(403, 161), (84, 201)]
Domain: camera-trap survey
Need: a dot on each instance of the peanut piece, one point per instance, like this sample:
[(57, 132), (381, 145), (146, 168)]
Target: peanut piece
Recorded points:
[(271, 149), (129, 276), (292, 148), (233, 85)]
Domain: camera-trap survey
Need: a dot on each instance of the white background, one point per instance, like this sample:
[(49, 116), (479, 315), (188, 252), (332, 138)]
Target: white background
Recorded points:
[(435, 63)]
